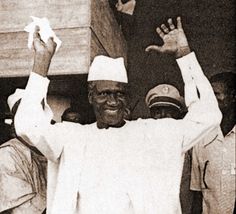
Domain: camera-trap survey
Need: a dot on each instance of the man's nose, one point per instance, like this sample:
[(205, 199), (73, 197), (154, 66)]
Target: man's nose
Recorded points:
[(163, 114), (112, 100)]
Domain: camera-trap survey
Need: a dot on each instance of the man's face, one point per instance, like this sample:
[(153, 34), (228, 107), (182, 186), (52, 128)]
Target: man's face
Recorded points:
[(109, 102), (159, 112), (72, 117), (222, 97)]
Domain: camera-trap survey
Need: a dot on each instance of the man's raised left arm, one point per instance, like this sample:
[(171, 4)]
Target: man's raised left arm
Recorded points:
[(203, 112)]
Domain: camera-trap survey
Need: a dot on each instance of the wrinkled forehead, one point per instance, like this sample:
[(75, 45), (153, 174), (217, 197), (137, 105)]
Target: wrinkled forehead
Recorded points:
[(108, 85)]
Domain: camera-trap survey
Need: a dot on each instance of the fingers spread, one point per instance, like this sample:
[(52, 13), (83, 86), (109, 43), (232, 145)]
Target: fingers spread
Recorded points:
[(153, 47), (160, 32), (179, 23), (164, 28), (171, 25)]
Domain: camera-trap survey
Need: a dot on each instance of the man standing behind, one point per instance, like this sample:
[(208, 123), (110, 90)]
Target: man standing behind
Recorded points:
[(164, 101), (22, 172), (116, 166), (213, 167)]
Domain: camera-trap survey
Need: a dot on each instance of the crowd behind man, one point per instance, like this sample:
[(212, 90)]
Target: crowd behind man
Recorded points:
[(115, 165)]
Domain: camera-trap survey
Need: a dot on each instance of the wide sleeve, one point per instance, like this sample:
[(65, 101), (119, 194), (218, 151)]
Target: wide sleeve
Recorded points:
[(203, 112), (14, 186), (33, 119), (195, 183)]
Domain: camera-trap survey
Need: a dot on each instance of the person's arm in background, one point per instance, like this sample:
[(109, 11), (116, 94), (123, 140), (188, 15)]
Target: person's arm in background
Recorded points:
[(195, 184), (203, 112), (33, 117)]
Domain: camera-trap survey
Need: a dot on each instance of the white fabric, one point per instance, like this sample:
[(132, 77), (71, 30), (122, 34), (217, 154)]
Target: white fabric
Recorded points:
[(12, 99), (8, 121), (132, 169), (45, 31), (107, 68), (213, 172), (22, 179)]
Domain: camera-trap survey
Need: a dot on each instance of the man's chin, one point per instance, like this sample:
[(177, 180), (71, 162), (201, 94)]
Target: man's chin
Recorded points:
[(113, 120)]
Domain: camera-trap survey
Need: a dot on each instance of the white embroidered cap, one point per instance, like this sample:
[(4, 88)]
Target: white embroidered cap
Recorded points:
[(12, 99), (107, 68)]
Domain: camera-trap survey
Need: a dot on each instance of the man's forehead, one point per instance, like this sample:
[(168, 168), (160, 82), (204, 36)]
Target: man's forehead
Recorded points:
[(218, 86), (164, 107), (109, 85)]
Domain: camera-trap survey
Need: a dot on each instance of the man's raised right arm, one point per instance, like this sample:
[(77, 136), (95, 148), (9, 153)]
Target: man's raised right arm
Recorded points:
[(33, 118)]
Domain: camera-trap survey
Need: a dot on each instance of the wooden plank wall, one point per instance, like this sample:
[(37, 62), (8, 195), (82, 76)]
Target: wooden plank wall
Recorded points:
[(106, 29), (86, 27), (72, 58), (14, 14)]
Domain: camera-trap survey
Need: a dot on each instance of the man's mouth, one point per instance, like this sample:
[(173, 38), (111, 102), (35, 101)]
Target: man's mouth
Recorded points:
[(111, 111)]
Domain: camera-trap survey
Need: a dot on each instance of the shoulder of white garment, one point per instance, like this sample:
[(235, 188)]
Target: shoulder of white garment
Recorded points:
[(151, 124)]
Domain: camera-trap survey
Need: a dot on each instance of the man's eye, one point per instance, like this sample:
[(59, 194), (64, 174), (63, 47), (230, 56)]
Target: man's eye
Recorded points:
[(120, 94), (103, 93)]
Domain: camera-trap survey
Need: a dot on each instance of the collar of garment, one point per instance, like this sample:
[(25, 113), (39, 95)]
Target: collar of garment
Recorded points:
[(232, 131), (217, 135)]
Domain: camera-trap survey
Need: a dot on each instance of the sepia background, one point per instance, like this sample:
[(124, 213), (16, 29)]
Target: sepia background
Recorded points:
[(91, 27)]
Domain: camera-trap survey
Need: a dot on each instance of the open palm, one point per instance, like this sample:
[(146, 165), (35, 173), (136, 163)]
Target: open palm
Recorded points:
[(174, 39)]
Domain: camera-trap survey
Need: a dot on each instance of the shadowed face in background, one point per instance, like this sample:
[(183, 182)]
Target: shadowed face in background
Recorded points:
[(71, 116), (223, 85), (223, 97), (159, 112), (109, 103)]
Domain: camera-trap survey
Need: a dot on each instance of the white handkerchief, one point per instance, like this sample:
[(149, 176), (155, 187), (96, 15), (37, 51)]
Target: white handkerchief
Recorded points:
[(45, 31)]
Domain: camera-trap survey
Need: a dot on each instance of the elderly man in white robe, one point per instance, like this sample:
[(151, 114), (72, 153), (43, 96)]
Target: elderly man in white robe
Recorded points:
[(117, 166)]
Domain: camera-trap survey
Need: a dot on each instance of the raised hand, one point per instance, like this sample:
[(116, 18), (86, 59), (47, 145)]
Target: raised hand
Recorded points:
[(43, 53), (41, 47), (175, 41)]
